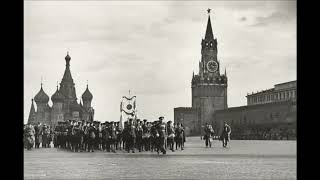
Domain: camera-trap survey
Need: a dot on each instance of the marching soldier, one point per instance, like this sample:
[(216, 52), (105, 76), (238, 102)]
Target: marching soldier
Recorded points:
[(207, 135), (119, 135), (171, 135), (81, 130), (125, 136), (113, 135), (45, 136), (225, 134), (180, 136), (37, 134), (146, 135), (139, 132), (86, 137), (100, 136), (161, 128), (76, 137), (92, 137), (106, 137), (69, 135), (132, 136), (154, 135)]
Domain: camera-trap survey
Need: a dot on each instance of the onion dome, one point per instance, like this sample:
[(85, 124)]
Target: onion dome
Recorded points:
[(57, 96), (41, 97), (87, 96)]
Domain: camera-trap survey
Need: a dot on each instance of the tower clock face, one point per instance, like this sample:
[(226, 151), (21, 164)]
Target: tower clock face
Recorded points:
[(212, 66)]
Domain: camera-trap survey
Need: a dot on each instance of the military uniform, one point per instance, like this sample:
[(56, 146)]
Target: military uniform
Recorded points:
[(119, 136), (207, 135), (106, 137), (45, 136), (92, 137), (146, 135), (139, 133), (125, 136), (36, 135), (225, 134), (171, 136), (132, 136), (113, 135), (161, 129), (180, 136), (76, 138)]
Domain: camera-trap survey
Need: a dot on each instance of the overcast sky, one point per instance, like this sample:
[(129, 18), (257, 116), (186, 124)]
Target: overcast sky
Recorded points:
[(152, 48)]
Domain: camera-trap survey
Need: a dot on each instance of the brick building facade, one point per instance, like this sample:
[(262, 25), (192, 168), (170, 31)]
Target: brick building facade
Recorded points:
[(281, 92)]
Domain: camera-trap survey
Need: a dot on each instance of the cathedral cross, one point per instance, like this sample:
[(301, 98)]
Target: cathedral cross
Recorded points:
[(209, 10)]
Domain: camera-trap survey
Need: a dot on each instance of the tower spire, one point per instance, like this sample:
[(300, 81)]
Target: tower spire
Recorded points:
[(67, 85), (32, 113), (41, 82), (209, 33)]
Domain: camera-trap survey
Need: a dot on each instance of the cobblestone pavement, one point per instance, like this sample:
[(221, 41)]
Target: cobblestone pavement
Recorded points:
[(242, 160)]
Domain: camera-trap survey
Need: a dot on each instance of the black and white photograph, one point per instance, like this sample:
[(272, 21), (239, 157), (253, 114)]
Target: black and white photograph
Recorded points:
[(160, 89)]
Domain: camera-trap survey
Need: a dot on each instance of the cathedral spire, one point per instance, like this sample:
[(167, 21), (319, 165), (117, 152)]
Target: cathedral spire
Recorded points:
[(209, 33), (67, 85), (32, 113), (67, 74)]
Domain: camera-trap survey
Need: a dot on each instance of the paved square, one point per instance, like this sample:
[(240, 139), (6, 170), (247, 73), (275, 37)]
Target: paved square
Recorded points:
[(242, 160)]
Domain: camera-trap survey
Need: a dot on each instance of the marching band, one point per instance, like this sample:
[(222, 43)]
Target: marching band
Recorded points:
[(156, 136)]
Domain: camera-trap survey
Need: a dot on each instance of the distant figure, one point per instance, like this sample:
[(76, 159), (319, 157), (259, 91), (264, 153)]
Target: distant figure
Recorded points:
[(171, 135), (208, 130), (225, 136), (180, 136)]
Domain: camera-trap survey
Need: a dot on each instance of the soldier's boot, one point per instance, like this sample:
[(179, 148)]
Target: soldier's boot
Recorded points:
[(172, 149)]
